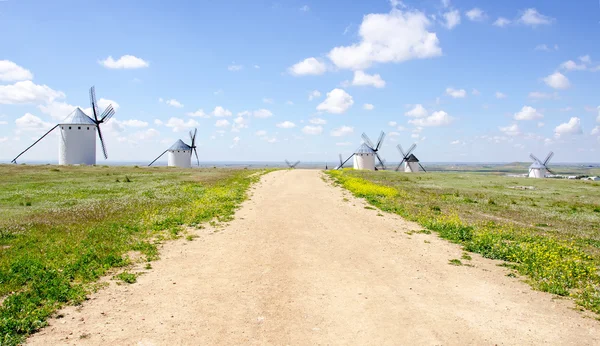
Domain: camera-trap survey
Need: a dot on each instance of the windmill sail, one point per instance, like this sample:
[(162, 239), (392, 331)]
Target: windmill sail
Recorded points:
[(34, 143)]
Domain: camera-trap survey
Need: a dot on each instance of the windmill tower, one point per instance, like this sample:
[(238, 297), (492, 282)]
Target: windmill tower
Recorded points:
[(180, 154), (410, 161), (538, 169), (292, 165), (364, 156), (77, 142)]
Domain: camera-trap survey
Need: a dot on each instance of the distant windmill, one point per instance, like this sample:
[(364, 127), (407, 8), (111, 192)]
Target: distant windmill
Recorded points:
[(364, 156), (180, 154), (292, 165), (538, 168), (77, 143), (411, 162)]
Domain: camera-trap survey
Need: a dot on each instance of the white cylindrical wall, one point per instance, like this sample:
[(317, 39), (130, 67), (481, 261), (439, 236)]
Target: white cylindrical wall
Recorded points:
[(411, 167), (364, 161), (180, 158), (536, 173), (77, 144)]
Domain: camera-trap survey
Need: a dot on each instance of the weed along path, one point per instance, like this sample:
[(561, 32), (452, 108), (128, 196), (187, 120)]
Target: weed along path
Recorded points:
[(305, 263)]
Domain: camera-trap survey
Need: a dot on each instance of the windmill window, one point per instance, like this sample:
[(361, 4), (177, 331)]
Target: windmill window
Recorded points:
[(79, 127), (69, 127), (88, 127)]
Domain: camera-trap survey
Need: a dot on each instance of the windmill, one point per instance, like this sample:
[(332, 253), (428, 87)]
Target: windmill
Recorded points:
[(538, 168), (364, 156), (180, 154), (77, 143), (292, 165), (409, 159)]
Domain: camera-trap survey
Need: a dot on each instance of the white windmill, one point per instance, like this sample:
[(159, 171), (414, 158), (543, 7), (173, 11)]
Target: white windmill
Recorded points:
[(180, 154), (77, 142), (411, 162), (538, 168), (364, 156)]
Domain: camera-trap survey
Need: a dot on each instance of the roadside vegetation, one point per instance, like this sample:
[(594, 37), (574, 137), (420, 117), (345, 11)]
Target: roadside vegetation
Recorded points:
[(547, 230), (62, 228)]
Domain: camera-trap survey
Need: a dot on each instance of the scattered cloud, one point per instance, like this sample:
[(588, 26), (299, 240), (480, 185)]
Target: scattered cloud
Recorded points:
[(363, 79), (174, 103), (312, 130), (439, 118), (452, 19), (418, 111), (343, 144), (528, 113), (390, 37), (305, 8), (308, 66), (475, 92), (512, 130), (368, 107), (178, 125), (261, 133), (222, 123), (342, 131), (262, 113), (571, 65), (286, 125), (338, 101), (557, 80), (533, 18), (502, 22), (572, 127), (134, 123), (235, 68), (456, 93), (317, 121), (500, 95), (221, 112), (595, 131), (537, 95), (476, 15), (199, 114), (544, 47), (31, 123), (124, 62), (268, 100), (392, 123), (315, 94), (11, 72), (28, 92)]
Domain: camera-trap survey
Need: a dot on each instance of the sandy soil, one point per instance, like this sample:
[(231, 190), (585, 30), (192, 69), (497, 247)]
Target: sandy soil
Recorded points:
[(302, 265)]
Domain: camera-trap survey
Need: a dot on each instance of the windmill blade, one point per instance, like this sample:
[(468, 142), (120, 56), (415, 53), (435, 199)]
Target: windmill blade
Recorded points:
[(93, 102), (343, 163), (34, 143), (295, 164), (157, 158), (341, 160), (288, 163), (549, 170), (102, 143), (367, 140), (380, 161), (411, 149), (423, 168), (400, 164), (380, 140), (400, 150), (197, 159), (107, 114), (548, 158), (194, 137), (534, 158)]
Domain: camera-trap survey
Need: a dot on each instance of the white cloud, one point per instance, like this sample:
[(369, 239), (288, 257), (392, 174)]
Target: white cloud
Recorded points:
[(533, 18), (500, 95), (418, 111), (343, 144), (257, 67), (537, 95), (199, 114), (585, 59), (557, 80), (512, 130), (342, 131), (312, 130), (502, 22), (134, 123), (540, 124), (475, 92), (571, 65), (368, 107), (475, 15), (289, 103), (545, 47), (262, 113), (338, 101), (268, 100), (286, 125), (528, 113), (392, 123), (28, 92), (455, 142), (239, 123), (452, 19), (178, 124), (308, 66), (174, 103), (3, 139), (221, 112), (235, 68), (261, 133), (363, 79), (314, 95), (305, 8), (144, 135), (573, 127), (595, 131), (456, 93), (236, 140), (439, 118), (57, 110), (222, 123), (317, 121), (3, 122), (598, 118), (31, 123), (391, 37), (124, 62), (11, 72)]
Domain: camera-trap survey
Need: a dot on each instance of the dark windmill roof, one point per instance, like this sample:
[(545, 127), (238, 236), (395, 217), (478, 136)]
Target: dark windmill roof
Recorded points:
[(78, 117), (179, 145), (412, 158), (364, 149)]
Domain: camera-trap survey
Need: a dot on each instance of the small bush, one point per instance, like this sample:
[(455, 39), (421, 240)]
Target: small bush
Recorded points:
[(127, 277)]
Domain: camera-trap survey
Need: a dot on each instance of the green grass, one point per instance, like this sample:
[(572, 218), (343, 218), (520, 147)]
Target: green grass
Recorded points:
[(551, 233), (62, 228)]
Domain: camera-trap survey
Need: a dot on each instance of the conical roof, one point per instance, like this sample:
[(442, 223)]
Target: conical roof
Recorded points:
[(364, 149), (412, 158), (536, 165), (78, 117), (179, 145)]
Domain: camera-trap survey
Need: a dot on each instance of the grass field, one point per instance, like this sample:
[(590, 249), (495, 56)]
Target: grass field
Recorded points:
[(62, 228), (548, 229)]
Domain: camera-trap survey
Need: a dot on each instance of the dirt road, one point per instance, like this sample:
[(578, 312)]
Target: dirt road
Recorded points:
[(304, 263)]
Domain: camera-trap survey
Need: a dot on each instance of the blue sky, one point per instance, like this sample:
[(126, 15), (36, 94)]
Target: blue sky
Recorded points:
[(264, 80)]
